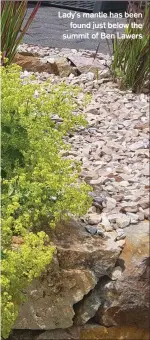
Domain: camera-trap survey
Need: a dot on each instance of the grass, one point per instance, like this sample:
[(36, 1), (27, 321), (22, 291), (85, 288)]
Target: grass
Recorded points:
[(131, 57)]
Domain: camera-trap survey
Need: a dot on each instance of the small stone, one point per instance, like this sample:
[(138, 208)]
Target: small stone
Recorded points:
[(119, 170), (144, 203), (92, 110), (112, 218), (121, 243), (123, 221), (124, 183), (94, 219), (107, 229), (133, 218), (91, 230), (118, 198), (120, 234), (111, 203), (146, 170), (96, 181), (129, 207), (116, 273), (141, 126), (105, 223), (71, 76), (99, 199), (136, 146), (100, 232), (106, 150)]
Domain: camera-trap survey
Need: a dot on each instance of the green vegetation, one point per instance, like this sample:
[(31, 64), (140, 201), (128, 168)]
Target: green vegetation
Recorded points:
[(39, 186), (131, 56), (13, 26)]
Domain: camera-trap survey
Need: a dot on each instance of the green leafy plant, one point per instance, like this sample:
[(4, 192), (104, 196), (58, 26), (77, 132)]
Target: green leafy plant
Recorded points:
[(19, 266), (131, 58), (14, 25), (39, 185)]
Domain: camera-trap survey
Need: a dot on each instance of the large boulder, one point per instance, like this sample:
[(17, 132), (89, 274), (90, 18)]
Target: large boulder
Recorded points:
[(81, 260), (54, 65), (84, 64), (125, 301)]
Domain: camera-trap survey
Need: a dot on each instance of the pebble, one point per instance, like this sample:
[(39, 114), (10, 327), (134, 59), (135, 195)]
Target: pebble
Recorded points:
[(134, 218), (91, 230), (123, 221), (100, 232), (120, 234), (121, 243), (94, 219), (146, 170), (136, 146), (110, 203), (105, 223), (116, 273)]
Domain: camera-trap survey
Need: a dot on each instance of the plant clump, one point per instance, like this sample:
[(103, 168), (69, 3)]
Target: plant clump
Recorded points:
[(131, 57), (14, 25), (39, 186)]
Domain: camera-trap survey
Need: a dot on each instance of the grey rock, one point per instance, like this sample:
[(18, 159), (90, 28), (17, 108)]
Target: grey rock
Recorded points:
[(105, 223), (99, 199), (129, 207), (91, 230), (111, 203), (144, 202), (120, 234), (100, 232), (136, 146), (123, 221), (146, 170), (133, 218), (107, 150), (124, 183), (94, 219), (96, 181), (116, 273), (112, 218)]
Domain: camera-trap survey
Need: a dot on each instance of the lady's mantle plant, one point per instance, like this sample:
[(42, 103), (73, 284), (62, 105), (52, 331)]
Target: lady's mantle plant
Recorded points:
[(39, 186)]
